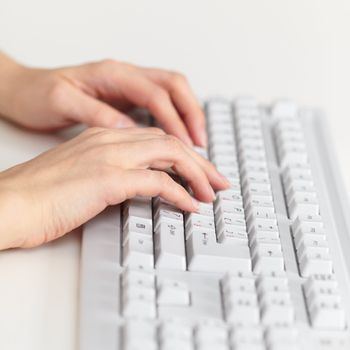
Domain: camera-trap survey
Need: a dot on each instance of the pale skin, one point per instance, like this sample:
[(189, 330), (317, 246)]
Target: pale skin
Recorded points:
[(112, 160)]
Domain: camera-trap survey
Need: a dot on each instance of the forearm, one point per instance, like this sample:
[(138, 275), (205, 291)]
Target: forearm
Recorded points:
[(10, 72)]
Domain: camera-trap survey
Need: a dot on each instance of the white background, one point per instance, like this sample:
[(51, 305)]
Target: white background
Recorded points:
[(271, 48)]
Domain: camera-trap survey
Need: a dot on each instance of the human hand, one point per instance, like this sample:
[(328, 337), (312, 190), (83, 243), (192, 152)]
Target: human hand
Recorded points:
[(99, 94), (59, 190)]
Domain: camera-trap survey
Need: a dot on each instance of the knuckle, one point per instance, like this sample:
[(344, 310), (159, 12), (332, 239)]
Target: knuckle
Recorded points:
[(178, 79), (157, 96), (164, 179), (99, 136), (94, 152), (102, 154), (104, 135), (173, 143), (92, 131), (108, 67), (108, 62), (156, 131), (57, 93)]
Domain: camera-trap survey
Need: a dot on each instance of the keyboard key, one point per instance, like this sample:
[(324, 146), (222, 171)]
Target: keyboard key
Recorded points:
[(215, 106), (240, 299), (261, 216), (171, 292), (314, 262), (196, 221), (313, 245), (327, 314), (139, 334), (165, 213), (313, 238), (206, 209), (267, 258), (238, 282), (247, 338), (263, 228), (259, 204), (304, 204), (321, 284), (175, 330), (138, 251), (241, 308), (176, 334), (137, 215), (309, 223), (169, 247), (264, 238), (276, 308), (225, 218), (204, 253), (324, 302), (138, 302), (272, 284), (211, 335), (228, 196), (284, 109), (232, 234), (282, 338), (138, 277)]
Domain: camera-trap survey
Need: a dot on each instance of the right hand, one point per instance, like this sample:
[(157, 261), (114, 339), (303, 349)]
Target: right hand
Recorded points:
[(59, 190)]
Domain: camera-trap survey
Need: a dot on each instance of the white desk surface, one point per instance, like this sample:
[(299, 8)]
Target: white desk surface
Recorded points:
[(267, 48)]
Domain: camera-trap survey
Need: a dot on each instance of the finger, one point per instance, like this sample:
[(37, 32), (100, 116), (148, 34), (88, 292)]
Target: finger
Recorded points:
[(122, 81), (163, 153), (103, 136), (83, 108), (184, 100), (217, 180), (157, 183), (144, 93), (141, 131)]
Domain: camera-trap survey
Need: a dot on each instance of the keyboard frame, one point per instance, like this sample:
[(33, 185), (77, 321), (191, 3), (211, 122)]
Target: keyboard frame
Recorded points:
[(100, 255)]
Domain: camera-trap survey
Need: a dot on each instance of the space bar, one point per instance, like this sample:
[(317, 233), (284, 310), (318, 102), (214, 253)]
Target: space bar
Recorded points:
[(216, 257)]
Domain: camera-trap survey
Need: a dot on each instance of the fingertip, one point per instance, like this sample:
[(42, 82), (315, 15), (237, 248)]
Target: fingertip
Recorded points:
[(195, 204), (122, 123), (225, 181), (202, 138), (187, 140)]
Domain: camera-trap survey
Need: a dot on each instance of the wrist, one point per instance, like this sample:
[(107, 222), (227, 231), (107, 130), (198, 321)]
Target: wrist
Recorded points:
[(10, 209), (10, 73)]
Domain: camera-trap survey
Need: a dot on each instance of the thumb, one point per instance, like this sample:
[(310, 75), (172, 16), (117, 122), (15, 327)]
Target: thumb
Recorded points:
[(93, 112)]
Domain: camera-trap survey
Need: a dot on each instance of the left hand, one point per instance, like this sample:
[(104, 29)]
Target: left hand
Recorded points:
[(99, 94)]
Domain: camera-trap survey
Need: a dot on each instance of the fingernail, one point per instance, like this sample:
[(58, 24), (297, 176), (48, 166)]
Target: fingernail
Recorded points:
[(195, 204), (203, 138), (213, 195), (124, 123), (224, 180), (188, 141)]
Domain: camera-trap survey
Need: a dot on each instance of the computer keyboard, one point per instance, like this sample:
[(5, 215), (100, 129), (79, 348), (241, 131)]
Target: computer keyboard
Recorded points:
[(263, 267)]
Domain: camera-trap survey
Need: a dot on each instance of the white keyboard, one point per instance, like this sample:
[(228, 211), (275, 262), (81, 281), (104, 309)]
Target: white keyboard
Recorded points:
[(266, 266)]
